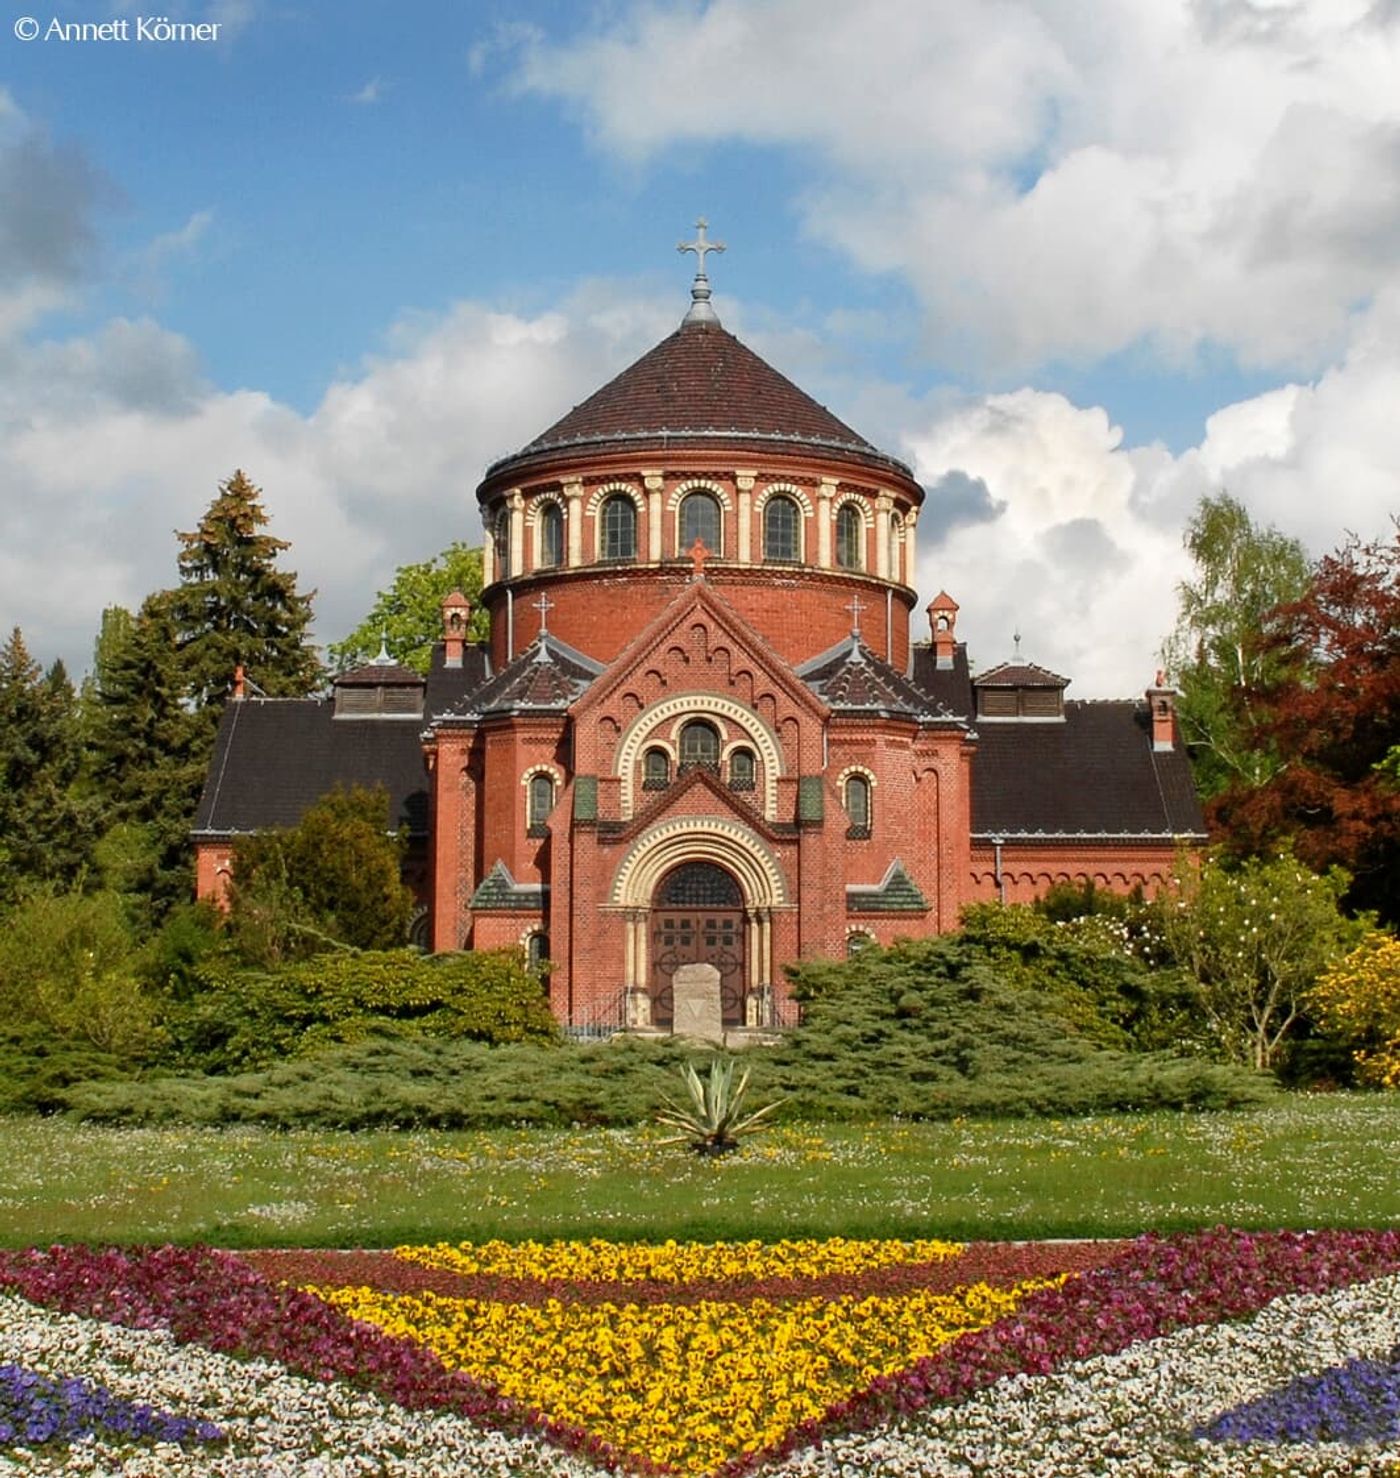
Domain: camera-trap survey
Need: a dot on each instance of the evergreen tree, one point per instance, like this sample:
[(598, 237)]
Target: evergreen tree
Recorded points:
[(46, 825), (147, 753), (233, 607)]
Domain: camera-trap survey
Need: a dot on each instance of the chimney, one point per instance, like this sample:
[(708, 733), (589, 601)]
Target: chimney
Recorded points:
[(943, 621), (238, 684), (456, 616), (1162, 711)]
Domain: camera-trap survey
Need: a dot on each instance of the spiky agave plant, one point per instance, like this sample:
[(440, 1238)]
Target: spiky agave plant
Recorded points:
[(711, 1123)]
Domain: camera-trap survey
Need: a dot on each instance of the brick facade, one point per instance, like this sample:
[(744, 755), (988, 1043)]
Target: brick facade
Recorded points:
[(702, 727)]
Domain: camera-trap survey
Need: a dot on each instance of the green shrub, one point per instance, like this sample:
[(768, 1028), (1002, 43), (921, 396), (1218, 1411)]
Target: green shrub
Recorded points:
[(37, 1069), (238, 1018), (931, 1029)]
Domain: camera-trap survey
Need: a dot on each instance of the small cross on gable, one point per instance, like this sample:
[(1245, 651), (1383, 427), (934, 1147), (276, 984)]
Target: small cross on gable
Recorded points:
[(544, 606), (699, 552), (856, 606)]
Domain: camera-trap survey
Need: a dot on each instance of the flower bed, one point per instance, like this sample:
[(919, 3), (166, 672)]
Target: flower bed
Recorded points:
[(1218, 1352)]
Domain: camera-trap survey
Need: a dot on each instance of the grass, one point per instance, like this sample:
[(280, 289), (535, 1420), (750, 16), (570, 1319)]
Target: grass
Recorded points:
[(1307, 1161)]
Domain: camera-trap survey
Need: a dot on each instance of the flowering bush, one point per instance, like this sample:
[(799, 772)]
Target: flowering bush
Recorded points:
[(1358, 998), (1216, 1352)]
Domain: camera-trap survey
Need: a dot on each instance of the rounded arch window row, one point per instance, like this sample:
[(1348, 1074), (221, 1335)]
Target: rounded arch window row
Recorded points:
[(698, 746), (866, 533)]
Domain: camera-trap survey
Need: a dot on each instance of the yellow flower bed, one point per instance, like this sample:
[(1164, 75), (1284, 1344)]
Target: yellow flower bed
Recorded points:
[(689, 1385), (674, 1262)]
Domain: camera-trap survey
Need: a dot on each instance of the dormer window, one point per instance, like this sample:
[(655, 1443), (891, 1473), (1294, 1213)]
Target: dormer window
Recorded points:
[(1020, 690)]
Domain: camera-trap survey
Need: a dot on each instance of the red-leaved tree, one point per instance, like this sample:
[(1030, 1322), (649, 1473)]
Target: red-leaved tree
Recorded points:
[(1332, 714)]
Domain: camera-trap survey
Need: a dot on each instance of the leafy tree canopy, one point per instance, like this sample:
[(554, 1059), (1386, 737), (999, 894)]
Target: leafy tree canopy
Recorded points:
[(1328, 705), (1255, 937), (1215, 655), (332, 881), (407, 617)]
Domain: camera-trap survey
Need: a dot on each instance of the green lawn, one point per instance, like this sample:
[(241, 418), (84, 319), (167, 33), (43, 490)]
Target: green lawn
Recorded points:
[(1306, 1162)]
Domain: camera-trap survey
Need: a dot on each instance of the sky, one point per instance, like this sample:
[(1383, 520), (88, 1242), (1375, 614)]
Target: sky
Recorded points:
[(1077, 262)]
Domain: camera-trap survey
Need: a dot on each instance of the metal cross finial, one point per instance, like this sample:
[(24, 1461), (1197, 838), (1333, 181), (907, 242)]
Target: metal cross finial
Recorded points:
[(544, 606), (856, 606), (1016, 638), (700, 309), (699, 552)]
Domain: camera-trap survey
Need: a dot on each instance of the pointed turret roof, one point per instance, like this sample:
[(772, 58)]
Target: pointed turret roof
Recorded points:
[(546, 677), (852, 679), (696, 386)]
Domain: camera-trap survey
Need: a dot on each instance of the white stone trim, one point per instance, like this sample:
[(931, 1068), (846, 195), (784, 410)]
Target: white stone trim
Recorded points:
[(665, 719), (601, 494), (786, 490), (717, 839), (699, 485)]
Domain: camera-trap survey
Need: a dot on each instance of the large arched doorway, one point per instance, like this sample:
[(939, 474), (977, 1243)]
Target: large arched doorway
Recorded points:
[(697, 916)]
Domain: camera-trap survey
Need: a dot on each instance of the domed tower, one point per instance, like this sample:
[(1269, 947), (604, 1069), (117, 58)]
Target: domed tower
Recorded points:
[(700, 440)]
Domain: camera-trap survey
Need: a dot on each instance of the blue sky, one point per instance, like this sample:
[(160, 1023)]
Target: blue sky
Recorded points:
[(1077, 263)]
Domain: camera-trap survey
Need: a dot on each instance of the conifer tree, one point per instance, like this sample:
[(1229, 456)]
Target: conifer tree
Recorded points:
[(147, 753), (234, 607), (46, 826)]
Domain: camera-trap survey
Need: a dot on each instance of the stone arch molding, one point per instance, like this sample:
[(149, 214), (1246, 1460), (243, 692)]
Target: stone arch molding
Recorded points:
[(642, 730), (717, 839)]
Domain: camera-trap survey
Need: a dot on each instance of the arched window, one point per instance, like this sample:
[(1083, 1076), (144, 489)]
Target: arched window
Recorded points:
[(699, 746), (858, 806), (551, 551), (850, 536), (700, 519), (541, 803), (741, 770), (619, 529), (656, 769), (780, 517), (537, 950), (500, 536), (857, 942)]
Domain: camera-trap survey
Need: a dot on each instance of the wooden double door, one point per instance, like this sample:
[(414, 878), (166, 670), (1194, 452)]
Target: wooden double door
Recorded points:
[(697, 917)]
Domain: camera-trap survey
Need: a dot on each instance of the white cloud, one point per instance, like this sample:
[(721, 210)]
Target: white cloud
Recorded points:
[(110, 443), (1079, 538), (1057, 178)]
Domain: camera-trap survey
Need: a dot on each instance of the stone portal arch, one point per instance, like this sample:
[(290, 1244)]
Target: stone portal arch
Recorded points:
[(699, 889)]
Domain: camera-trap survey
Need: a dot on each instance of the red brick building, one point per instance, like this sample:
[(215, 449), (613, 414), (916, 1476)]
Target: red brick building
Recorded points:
[(703, 728)]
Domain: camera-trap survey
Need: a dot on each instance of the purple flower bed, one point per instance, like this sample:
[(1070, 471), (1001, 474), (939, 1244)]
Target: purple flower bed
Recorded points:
[(35, 1410), (1355, 1402)]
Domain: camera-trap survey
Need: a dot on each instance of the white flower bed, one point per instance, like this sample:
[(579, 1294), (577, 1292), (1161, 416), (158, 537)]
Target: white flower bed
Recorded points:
[(279, 1425), (1131, 1414)]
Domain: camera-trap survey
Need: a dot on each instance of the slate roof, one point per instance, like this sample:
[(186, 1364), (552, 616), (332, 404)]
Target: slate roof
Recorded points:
[(499, 892), (852, 679), (547, 677), (1019, 675), (1095, 774), (897, 892), (276, 757), (698, 383), (379, 675)]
